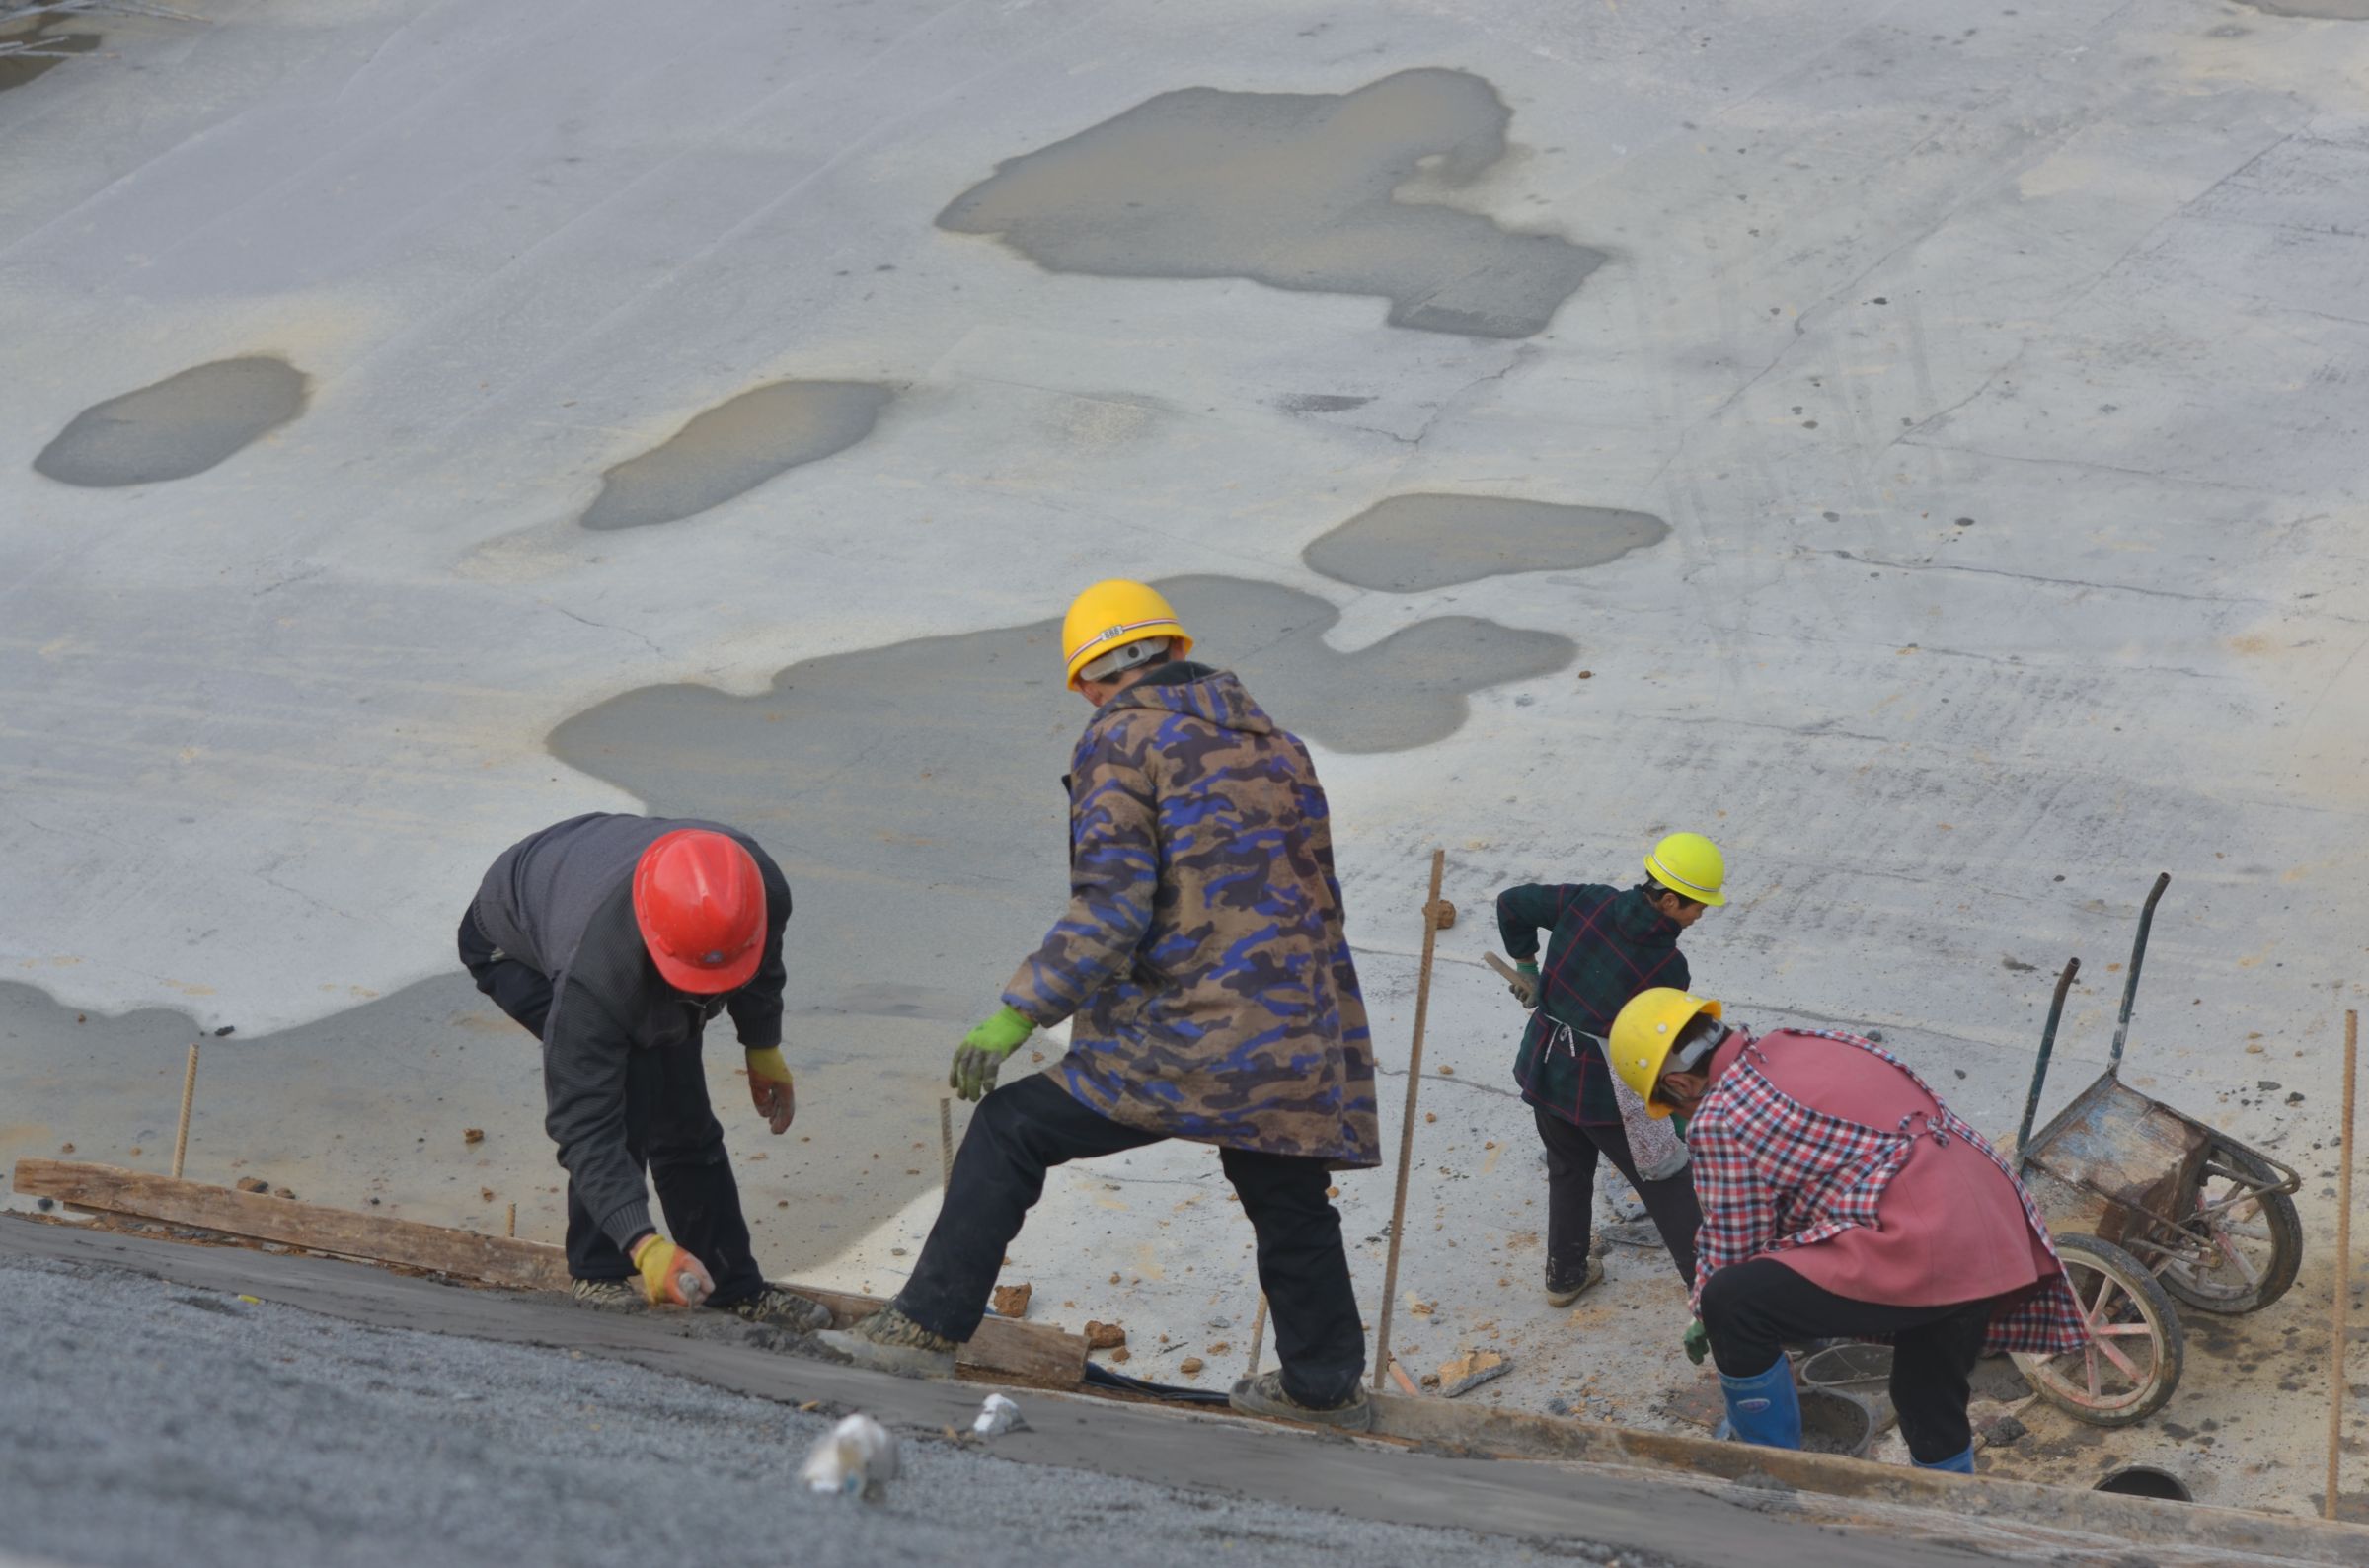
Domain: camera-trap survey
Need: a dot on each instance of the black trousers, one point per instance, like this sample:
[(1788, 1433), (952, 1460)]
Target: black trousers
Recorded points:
[(1572, 1152), (671, 1132), (1026, 1128), (1750, 1309)]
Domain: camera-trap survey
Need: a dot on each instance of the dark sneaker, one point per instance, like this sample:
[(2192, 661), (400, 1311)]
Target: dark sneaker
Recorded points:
[(889, 1341), (1563, 1293), (613, 1294), (775, 1307), (1263, 1396)]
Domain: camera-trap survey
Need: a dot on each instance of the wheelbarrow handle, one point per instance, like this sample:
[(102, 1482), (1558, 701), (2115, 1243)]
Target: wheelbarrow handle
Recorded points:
[(2138, 953), (2039, 1069)]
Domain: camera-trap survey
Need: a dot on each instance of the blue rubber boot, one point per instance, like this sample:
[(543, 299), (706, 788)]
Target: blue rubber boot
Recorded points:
[(1763, 1408), (1962, 1463)]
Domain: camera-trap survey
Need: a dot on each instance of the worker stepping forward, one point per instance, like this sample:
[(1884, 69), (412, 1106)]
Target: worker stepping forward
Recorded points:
[(1204, 964), (613, 939), (1842, 1199), (1604, 945)]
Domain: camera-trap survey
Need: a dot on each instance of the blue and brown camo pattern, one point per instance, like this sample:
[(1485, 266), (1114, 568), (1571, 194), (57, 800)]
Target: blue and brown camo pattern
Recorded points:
[(1202, 956)]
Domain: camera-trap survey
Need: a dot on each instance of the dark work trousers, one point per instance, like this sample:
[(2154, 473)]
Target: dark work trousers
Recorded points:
[(670, 1131), (1571, 1151), (1751, 1309), (1025, 1129)]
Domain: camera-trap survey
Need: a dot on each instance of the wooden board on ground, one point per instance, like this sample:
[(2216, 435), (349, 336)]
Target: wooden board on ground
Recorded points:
[(1036, 1354)]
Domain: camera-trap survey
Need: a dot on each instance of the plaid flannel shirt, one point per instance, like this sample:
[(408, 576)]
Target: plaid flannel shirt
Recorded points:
[(1771, 1173), (1604, 945)]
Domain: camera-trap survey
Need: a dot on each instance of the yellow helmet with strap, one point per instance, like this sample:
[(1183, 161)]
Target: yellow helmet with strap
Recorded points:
[(1643, 1033), (1691, 867), (1112, 614)]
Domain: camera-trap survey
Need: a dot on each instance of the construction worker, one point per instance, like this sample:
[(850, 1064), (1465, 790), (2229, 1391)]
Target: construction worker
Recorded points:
[(614, 939), (1203, 963), (1604, 945), (1842, 1199)]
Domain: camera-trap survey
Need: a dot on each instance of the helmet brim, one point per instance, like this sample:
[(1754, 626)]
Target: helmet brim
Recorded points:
[(704, 982)]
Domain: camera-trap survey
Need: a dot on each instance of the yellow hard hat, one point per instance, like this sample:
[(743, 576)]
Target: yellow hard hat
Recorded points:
[(1691, 867), (1112, 614), (1644, 1031)]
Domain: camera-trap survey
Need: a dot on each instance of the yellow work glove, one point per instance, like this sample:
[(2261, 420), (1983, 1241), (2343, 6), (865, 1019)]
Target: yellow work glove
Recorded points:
[(770, 1087), (670, 1276)]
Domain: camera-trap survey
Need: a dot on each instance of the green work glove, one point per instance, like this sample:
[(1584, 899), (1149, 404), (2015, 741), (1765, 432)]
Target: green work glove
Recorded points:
[(1525, 990), (983, 1050), (1698, 1342)]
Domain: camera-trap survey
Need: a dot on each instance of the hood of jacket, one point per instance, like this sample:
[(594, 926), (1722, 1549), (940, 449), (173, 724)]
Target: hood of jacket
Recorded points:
[(1198, 691)]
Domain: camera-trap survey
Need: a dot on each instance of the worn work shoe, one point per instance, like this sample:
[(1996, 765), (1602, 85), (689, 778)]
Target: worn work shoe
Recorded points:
[(615, 1295), (1563, 1294), (889, 1341), (775, 1307), (1263, 1396)]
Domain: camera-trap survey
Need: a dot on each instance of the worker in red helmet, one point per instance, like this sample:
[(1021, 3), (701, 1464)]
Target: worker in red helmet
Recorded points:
[(614, 939)]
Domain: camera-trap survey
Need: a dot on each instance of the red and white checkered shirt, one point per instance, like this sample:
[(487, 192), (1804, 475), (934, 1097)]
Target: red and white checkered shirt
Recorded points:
[(1771, 1173)]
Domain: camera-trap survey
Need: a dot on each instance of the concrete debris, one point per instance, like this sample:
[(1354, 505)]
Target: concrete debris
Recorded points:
[(473, 1135), (1103, 1336), (1470, 1371), (855, 1458), (1012, 1300), (245, 1183), (996, 1417), (1191, 1365)]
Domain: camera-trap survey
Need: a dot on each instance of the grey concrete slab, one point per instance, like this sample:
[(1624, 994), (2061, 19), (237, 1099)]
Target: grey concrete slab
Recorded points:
[(2083, 273)]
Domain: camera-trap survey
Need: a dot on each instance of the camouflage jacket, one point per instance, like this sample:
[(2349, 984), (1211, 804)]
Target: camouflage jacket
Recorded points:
[(1202, 955)]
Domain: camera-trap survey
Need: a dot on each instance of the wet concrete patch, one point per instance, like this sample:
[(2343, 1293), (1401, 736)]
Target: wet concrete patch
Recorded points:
[(2322, 10), (181, 425), (29, 50), (1319, 402), (1296, 190), (1406, 544), (913, 793), (735, 447)]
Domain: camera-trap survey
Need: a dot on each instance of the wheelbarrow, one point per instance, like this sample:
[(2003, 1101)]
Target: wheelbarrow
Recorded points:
[(2149, 1207)]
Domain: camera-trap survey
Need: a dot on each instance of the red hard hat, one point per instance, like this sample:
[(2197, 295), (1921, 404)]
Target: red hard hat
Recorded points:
[(701, 907)]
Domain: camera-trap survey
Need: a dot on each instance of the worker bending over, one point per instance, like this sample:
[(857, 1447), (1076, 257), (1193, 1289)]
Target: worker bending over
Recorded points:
[(1203, 962), (1604, 945), (1842, 1199), (614, 939)]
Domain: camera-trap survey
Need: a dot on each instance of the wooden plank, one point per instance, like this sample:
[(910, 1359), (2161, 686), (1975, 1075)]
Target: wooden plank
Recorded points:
[(490, 1259), (1003, 1350)]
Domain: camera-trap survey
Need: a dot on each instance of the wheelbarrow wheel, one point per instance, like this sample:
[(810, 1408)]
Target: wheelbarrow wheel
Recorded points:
[(2258, 1238), (2131, 1364)]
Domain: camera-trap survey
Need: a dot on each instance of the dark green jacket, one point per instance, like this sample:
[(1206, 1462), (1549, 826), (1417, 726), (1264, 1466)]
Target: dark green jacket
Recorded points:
[(1604, 945)]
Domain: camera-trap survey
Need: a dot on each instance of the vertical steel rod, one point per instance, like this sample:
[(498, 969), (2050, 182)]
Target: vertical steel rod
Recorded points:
[(2039, 1069), (2130, 982), (188, 1091), (2335, 1353), (1257, 1337), (510, 1226), (1415, 1084), (945, 1143)]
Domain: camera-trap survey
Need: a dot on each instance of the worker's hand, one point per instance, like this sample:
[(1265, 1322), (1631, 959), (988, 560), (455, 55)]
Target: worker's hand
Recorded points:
[(670, 1276), (1698, 1342), (1525, 984), (983, 1049), (770, 1087)]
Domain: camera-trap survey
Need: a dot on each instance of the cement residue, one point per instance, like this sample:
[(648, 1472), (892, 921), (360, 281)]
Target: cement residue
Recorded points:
[(735, 447), (181, 425), (29, 50), (1296, 190), (1408, 543)]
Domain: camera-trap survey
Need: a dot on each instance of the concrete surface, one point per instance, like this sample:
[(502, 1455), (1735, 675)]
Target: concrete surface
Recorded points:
[(268, 1435), (1993, 371)]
